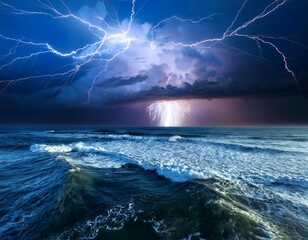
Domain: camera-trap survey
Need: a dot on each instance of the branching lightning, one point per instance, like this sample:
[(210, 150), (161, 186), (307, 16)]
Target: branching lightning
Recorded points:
[(121, 38), (274, 6), (104, 36)]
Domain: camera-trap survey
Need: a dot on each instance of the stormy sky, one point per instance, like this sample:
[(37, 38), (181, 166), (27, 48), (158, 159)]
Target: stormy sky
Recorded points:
[(220, 62)]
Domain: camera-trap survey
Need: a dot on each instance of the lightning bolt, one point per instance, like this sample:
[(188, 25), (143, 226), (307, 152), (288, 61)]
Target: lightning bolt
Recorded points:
[(230, 32), (169, 113), (104, 34), (121, 37)]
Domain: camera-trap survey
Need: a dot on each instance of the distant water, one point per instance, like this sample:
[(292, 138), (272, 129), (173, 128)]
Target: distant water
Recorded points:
[(154, 183)]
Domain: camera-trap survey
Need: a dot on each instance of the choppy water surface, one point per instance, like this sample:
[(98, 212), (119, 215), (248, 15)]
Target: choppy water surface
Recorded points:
[(154, 183)]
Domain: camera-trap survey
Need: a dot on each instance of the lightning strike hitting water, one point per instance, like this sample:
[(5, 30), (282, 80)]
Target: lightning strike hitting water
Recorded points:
[(169, 113), (115, 38)]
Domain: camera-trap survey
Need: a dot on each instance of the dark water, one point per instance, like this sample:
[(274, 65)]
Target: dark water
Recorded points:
[(154, 183)]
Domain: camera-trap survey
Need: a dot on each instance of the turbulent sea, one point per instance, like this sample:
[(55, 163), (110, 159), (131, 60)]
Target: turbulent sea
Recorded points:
[(154, 183)]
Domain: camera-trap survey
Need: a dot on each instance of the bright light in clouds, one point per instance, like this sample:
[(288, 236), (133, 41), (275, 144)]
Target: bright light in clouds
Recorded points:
[(128, 58), (169, 113)]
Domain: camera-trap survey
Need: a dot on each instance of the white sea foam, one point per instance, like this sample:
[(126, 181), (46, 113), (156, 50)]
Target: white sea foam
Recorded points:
[(195, 235), (41, 148), (175, 138), (82, 147), (114, 219), (79, 147)]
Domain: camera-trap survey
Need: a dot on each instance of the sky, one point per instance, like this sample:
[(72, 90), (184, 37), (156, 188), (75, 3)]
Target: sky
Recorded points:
[(154, 62)]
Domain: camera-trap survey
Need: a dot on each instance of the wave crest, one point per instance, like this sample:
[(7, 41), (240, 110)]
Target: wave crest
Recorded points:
[(41, 148)]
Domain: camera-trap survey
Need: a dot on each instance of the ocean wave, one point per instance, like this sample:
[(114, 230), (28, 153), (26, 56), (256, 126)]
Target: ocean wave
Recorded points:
[(118, 137), (243, 147), (77, 147), (96, 147), (83, 147), (150, 132), (99, 157), (92, 160), (50, 131), (41, 148), (167, 222), (77, 167), (175, 138), (13, 146), (270, 180), (197, 160)]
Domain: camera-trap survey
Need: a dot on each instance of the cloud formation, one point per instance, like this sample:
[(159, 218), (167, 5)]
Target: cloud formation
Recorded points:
[(145, 60)]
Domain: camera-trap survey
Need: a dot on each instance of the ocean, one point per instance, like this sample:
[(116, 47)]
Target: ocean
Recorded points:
[(154, 183)]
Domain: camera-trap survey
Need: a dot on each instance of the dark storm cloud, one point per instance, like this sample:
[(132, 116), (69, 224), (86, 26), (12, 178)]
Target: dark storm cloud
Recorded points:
[(236, 67), (214, 87), (120, 82)]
